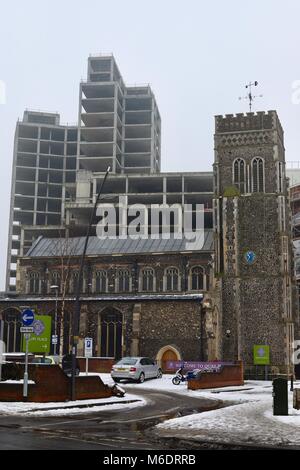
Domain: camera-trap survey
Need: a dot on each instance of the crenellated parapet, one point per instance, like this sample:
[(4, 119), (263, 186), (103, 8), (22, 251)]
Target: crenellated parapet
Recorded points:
[(254, 122)]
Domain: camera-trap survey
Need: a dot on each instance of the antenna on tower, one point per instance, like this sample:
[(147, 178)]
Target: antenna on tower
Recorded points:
[(250, 97)]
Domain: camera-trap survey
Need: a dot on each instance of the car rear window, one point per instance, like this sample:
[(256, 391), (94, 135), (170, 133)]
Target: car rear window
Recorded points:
[(127, 361), (40, 360)]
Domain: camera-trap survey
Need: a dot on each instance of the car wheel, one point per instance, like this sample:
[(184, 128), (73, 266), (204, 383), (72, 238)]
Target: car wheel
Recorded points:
[(159, 374), (141, 378)]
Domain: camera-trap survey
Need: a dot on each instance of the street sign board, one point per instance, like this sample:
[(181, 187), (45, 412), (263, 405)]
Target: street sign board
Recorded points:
[(261, 355), (26, 329), (54, 339), (41, 337), (88, 347), (27, 317)]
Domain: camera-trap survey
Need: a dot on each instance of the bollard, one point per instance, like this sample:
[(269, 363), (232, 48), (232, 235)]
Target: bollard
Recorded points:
[(280, 397)]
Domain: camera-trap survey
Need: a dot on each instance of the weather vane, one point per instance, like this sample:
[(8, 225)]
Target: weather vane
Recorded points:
[(249, 95)]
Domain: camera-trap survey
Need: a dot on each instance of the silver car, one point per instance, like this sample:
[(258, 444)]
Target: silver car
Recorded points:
[(136, 368)]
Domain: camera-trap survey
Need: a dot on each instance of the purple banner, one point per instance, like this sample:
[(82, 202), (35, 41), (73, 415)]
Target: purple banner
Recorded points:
[(214, 366)]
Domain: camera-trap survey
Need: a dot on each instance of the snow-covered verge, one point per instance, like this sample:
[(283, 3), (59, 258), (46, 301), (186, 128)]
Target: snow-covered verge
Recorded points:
[(61, 408), (103, 404), (247, 420), (78, 406)]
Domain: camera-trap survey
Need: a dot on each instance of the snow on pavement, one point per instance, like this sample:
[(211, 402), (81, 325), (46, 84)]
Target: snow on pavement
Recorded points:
[(247, 418), (104, 404)]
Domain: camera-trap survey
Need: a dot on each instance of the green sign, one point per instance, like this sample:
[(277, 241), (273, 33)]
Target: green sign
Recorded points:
[(39, 341), (261, 355)]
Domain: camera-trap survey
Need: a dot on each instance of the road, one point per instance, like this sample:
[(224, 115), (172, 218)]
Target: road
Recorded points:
[(104, 430)]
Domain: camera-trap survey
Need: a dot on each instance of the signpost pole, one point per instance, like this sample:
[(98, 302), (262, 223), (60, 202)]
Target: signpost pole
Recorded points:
[(25, 385), (27, 319), (88, 352), (1, 346), (261, 357), (55, 320)]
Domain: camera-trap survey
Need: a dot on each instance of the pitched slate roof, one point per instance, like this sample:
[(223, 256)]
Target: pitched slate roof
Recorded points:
[(49, 247)]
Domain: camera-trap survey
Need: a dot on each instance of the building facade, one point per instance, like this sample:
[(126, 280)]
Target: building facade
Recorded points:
[(44, 161), (157, 296), (118, 126), (253, 252), (134, 301)]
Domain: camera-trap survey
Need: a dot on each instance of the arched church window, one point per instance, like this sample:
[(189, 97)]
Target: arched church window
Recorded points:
[(74, 281), (124, 280), (101, 281), (258, 181), (171, 279), (239, 175), (197, 278), (34, 282), (148, 280)]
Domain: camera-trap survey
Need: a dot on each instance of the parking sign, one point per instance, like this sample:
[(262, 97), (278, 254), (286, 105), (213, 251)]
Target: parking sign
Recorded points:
[(88, 349)]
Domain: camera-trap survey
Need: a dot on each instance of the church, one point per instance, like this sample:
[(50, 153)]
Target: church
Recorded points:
[(161, 296)]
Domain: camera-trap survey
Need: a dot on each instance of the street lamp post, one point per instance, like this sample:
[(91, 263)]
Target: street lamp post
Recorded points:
[(76, 314), (56, 289)]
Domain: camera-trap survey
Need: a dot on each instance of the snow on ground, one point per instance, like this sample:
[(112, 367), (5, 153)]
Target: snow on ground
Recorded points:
[(38, 409), (17, 382), (247, 417), (247, 420)]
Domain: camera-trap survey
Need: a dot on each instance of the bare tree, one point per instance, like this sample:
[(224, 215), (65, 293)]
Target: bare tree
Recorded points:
[(64, 250)]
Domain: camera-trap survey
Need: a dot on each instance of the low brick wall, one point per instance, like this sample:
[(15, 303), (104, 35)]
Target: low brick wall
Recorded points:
[(97, 364), (53, 385), (231, 375)]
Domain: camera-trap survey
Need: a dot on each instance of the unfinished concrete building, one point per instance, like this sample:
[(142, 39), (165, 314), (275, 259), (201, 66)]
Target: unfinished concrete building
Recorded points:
[(44, 161), (119, 126), (126, 190)]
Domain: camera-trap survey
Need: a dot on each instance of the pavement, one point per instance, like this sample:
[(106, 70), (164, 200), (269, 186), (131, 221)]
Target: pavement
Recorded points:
[(157, 415), (129, 428)]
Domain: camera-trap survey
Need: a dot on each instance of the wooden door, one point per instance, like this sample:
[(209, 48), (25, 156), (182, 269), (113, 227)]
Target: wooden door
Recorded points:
[(167, 356)]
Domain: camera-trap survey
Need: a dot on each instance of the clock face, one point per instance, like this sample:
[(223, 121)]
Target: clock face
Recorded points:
[(250, 257)]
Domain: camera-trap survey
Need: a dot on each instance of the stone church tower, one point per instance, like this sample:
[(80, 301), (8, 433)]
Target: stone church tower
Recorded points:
[(253, 260)]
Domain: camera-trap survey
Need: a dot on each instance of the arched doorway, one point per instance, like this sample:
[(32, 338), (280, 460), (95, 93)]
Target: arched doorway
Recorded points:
[(167, 354), (110, 333), (11, 334)]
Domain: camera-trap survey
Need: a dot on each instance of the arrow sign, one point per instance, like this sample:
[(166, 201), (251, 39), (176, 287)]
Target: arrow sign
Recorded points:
[(27, 317)]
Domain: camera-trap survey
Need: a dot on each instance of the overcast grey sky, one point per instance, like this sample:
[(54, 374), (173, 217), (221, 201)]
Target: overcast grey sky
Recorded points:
[(196, 55)]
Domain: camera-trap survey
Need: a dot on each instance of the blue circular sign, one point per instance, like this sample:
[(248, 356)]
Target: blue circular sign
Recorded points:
[(250, 257), (27, 317)]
